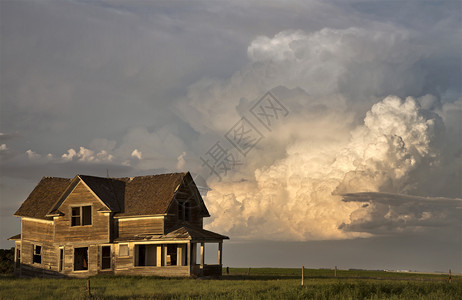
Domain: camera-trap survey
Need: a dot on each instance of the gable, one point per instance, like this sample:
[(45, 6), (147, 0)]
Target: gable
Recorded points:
[(188, 191), (44, 195), (78, 182), (110, 191)]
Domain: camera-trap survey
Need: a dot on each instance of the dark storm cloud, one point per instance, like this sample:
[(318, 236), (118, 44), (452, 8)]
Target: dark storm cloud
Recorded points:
[(391, 214)]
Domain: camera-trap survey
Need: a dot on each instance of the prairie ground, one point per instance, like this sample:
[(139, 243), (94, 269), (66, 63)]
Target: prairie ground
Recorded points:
[(260, 283)]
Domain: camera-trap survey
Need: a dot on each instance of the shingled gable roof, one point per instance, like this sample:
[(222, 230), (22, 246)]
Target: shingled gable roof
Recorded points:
[(150, 195), (96, 184), (44, 195), (109, 190), (134, 196)]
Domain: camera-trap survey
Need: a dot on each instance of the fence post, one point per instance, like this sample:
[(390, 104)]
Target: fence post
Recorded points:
[(303, 275), (227, 270), (248, 272), (88, 288), (335, 272), (449, 279)]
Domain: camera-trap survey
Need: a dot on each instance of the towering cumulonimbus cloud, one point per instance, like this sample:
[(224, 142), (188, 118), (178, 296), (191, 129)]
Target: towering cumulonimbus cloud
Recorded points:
[(299, 197)]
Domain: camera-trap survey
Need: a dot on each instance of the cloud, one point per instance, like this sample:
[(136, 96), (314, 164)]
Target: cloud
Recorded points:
[(78, 89), (388, 214), (6, 153), (297, 197), (181, 161), (136, 153), (32, 155)]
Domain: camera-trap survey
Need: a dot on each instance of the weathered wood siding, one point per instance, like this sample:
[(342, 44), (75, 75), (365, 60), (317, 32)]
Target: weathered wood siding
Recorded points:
[(172, 215), (131, 227), (98, 231), (122, 263), (49, 258), (94, 261), (37, 231)]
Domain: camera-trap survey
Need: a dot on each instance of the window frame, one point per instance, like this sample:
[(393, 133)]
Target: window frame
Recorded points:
[(73, 260), (128, 250), (106, 257), (184, 211), (61, 259), (34, 254), (187, 211), (81, 216)]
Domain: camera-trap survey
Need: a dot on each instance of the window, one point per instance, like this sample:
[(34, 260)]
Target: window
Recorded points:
[(187, 211), (184, 211), (61, 259), (180, 211), (81, 259), (37, 258), (81, 215), (105, 257), (123, 250)]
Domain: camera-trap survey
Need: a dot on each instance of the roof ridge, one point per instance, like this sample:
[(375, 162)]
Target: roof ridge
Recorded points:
[(152, 175)]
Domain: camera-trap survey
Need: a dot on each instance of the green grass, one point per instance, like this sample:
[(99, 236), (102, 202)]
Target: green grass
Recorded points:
[(263, 283)]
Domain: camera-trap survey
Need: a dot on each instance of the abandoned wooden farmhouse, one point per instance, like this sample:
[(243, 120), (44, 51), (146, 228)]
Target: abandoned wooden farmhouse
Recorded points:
[(86, 225)]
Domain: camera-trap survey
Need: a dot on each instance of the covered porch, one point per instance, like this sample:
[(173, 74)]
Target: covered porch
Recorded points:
[(180, 252)]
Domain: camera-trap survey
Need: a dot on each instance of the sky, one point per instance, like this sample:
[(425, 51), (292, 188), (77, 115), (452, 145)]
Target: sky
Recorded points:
[(321, 133)]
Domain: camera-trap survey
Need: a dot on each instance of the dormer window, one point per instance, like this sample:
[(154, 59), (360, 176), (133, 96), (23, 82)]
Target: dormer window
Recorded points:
[(81, 215)]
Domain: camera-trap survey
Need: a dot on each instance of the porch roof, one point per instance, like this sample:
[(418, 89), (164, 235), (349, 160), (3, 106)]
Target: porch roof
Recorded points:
[(182, 232), (15, 237)]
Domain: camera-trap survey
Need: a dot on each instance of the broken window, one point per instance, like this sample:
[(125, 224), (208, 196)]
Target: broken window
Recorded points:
[(37, 258), (81, 259), (81, 215), (61, 259), (123, 250), (180, 211), (75, 216), (187, 211), (184, 211), (86, 215), (105, 257)]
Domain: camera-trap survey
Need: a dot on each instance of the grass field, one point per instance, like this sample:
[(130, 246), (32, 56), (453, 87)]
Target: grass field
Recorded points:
[(262, 283)]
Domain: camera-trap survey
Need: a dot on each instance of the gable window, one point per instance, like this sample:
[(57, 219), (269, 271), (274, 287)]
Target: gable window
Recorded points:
[(184, 211), (81, 215), (123, 250), (37, 258), (187, 211), (180, 211), (81, 259)]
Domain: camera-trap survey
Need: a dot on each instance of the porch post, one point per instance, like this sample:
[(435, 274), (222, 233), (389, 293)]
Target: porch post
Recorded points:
[(220, 253), (159, 256), (179, 255), (165, 254), (202, 258), (188, 256)]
